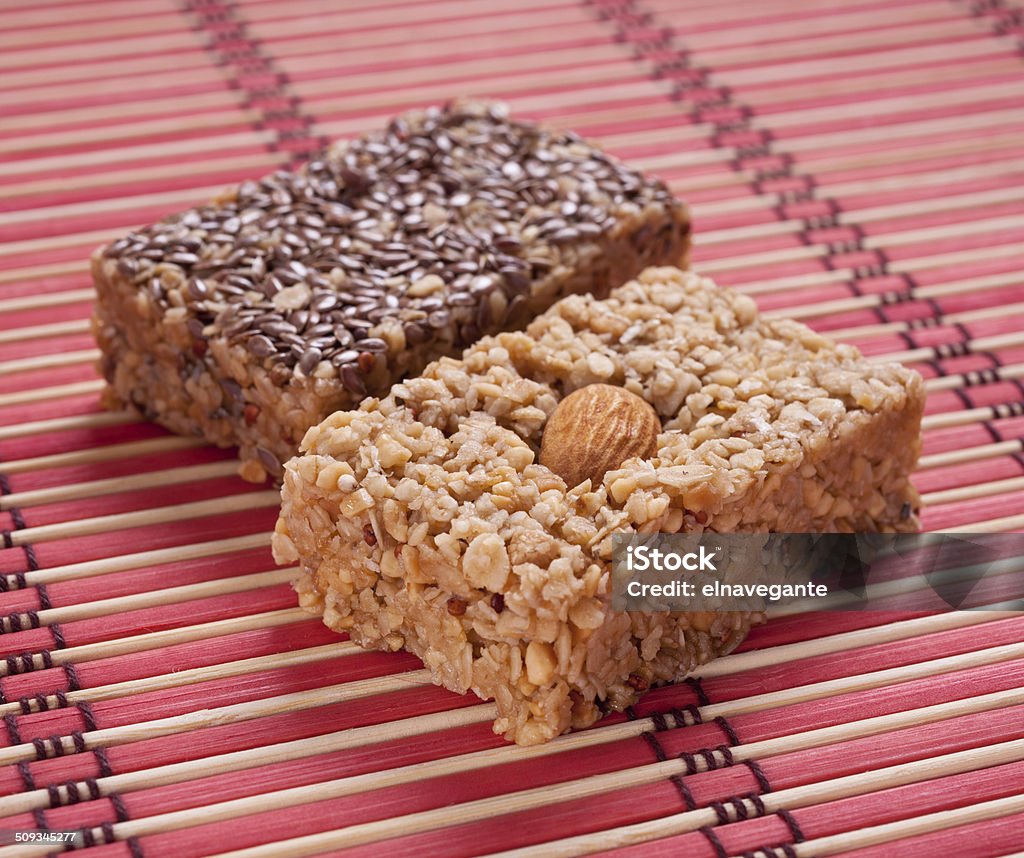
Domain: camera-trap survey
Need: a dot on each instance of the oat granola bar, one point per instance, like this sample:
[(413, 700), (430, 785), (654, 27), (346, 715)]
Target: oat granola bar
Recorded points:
[(424, 521), (248, 320)]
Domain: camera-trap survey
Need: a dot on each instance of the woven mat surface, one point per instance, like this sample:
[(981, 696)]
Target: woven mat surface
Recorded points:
[(857, 165)]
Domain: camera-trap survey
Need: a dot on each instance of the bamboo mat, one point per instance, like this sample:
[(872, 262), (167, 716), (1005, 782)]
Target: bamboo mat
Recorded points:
[(856, 165)]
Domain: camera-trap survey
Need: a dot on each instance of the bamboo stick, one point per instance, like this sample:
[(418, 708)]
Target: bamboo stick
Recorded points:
[(97, 420), (916, 129), (235, 713), (896, 237), (24, 397), (262, 161), (118, 155), (946, 419), (48, 361), (29, 98), (1006, 524), (888, 59), (169, 637), (91, 455), (42, 332), (88, 30), (43, 14), (144, 517), (115, 485), (963, 317), (225, 99), (867, 40), (92, 237), (13, 59), (963, 92), (177, 197), (46, 299), (192, 676), (114, 67), (979, 490), (951, 382), (970, 454), (165, 596), (972, 346), (50, 269), (154, 557)]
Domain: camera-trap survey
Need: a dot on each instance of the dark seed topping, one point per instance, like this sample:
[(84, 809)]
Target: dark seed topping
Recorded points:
[(197, 288), (269, 461), (498, 603), (331, 262), (352, 381), (456, 606)]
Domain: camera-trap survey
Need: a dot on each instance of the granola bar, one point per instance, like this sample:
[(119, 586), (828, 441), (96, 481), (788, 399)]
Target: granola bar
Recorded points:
[(424, 521), (250, 319)]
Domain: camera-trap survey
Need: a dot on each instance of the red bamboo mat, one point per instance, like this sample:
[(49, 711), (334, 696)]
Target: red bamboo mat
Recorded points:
[(858, 165)]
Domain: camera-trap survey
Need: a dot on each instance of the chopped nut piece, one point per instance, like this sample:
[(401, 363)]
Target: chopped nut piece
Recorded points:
[(540, 662)]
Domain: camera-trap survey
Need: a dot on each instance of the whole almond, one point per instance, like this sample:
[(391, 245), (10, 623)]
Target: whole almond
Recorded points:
[(594, 430)]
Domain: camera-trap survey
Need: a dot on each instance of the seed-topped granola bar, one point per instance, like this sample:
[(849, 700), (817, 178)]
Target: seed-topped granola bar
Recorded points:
[(438, 519), (247, 320)]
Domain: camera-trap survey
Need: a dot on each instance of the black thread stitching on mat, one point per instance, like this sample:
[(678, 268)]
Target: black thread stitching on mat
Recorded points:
[(684, 792), (1003, 19), (72, 676), (698, 690), (87, 716), (655, 745), (735, 809), (242, 55), (26, 775), (101, 756), (792, 825), (710, 758), (12, 729), (759, 775), (716, 844), (726, 728), (120, 811), (687, 716)]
